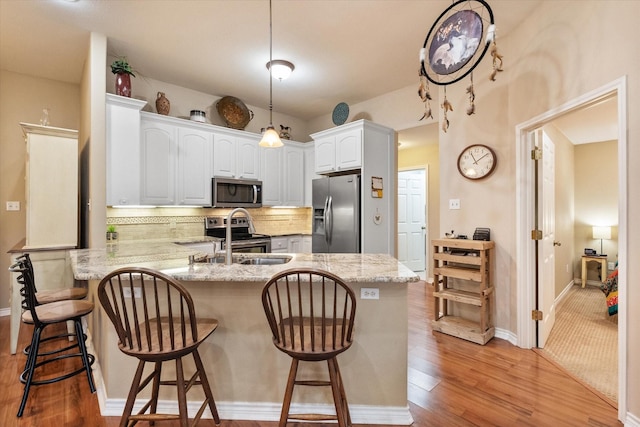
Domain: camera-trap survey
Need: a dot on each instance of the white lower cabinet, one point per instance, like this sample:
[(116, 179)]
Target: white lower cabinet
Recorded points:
[(280, 244), (306, 245)]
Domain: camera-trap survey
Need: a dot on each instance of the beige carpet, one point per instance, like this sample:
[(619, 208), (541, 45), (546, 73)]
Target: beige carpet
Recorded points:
[(584, 340)]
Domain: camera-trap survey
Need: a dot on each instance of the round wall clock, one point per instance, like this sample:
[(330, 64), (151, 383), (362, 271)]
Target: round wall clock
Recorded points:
[(477, 161)]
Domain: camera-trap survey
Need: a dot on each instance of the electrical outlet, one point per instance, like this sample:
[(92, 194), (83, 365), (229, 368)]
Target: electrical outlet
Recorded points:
[(611, 266), (369, 293), (136, 290), (454, 203), (13, 206)]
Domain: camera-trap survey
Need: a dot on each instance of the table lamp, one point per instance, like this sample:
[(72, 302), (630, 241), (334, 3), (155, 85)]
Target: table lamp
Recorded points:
[(601, 233)]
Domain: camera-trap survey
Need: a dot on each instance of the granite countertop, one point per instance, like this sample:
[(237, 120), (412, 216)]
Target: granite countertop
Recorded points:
[(173, 259)]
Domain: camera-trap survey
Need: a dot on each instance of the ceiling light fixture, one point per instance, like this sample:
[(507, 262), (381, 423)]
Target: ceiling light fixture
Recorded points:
[(281, 69), (270, 137)]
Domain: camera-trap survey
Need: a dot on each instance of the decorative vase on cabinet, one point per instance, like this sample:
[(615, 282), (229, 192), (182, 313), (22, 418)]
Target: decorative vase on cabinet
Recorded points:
[(123, 84), (162, 104)]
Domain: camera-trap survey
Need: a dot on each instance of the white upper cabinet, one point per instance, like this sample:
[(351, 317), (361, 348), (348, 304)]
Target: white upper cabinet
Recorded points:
[(271, 172), (195, 154), (123, 150), (338, 149), (159, 155), (293, 179), (283, 175), (236, 156)]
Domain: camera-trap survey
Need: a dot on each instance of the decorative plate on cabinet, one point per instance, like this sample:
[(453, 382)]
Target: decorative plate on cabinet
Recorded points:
[(233, 112), (340, 114)]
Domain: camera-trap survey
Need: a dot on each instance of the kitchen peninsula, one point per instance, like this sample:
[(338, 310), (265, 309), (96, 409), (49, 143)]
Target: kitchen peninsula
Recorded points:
[(247, 373)]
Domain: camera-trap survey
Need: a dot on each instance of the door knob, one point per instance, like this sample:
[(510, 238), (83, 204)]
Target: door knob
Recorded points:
[(423, 227), (556, 243)]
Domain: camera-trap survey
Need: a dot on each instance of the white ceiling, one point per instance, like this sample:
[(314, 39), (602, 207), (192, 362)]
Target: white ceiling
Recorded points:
[(343, 50)]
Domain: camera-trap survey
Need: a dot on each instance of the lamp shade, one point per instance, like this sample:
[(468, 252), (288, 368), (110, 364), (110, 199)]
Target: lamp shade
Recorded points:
[(602, 232), (270, 138)]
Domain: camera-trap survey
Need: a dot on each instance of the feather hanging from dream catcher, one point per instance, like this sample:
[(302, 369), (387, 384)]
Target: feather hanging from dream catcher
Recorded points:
[(471, 109), (425, 96), (446, 107)]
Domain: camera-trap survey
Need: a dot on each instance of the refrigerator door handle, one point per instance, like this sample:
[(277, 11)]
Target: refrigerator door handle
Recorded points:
[(329, 225), (325, 219)]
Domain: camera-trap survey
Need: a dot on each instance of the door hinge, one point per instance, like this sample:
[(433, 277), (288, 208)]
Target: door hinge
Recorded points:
[(536, 154), (536, 234), (536, 315)]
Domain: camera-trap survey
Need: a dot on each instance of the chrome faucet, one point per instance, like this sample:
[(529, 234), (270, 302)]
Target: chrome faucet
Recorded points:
[(227, 240)]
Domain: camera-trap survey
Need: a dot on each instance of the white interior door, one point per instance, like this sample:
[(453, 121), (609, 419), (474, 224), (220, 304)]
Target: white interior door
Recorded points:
[(546, 249), (412, 226)]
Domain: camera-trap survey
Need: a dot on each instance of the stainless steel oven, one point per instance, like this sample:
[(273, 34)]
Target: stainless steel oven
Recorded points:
[(242, 241)]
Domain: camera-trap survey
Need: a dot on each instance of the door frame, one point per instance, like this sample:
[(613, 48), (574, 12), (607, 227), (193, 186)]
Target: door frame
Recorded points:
[(526, 287)]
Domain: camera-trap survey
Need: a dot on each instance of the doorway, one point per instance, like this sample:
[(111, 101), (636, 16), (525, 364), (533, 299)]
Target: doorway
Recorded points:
[(412, 220), (526, 247)]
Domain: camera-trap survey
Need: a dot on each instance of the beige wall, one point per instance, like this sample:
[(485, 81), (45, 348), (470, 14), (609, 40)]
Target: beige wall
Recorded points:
[(566, 49), (421, 157), (23, 98), (596, 200)]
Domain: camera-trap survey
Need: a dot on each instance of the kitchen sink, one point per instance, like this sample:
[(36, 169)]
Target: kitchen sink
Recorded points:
[(239, 259), (266, 260)]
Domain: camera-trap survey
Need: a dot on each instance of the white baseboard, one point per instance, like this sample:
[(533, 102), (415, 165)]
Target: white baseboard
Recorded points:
[(632, 420), (504, 334), (266, 411), (5, 312)]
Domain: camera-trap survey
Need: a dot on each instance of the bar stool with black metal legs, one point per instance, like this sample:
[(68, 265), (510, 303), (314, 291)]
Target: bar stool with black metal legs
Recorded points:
[(311, 315), (51, 295), (41, 316)]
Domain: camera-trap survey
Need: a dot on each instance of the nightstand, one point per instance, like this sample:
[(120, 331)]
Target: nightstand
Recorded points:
[(597, 258)]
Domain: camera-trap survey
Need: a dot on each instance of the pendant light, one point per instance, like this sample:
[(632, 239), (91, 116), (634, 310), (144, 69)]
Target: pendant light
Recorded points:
[(270, 137)]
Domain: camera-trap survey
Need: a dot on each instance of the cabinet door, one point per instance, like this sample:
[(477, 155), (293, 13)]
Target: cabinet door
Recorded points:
[(194, 167), (158, 163), (309, 172), (279, 244), (306, 244), (293, 179), (349, 150), (224, 155), (295, 244), (123, 150), (271, 172), (248, 158), (325, 155)]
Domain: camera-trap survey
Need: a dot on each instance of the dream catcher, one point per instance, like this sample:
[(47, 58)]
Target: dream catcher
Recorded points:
[(455, 45)]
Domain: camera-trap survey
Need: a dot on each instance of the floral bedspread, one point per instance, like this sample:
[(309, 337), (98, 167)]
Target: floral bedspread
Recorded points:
[(610, 289)]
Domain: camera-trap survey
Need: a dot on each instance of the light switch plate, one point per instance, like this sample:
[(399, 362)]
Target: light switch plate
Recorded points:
[(13, 206)]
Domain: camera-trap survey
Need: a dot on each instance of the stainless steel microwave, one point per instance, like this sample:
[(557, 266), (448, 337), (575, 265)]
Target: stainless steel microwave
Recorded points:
[(236, 193)]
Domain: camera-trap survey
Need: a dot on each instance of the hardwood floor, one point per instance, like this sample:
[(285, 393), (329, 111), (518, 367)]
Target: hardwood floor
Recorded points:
[(452, 382)]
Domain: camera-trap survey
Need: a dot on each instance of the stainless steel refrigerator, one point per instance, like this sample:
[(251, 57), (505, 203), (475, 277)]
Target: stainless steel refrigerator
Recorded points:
[(336, 214)]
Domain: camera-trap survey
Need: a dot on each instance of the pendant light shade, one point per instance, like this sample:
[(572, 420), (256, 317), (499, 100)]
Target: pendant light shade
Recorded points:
[(270, 137)]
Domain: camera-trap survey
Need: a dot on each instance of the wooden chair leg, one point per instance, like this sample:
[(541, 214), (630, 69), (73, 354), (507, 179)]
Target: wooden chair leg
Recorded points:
[(155, 390), (131, 398), (206, 387), (182, 394), (288, 394), (339, 397)]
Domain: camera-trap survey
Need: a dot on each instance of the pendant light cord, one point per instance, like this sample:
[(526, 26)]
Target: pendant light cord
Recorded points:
[(270, 66)]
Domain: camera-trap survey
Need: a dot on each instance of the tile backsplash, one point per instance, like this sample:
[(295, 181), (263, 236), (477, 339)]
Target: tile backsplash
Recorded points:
[(160, 223)]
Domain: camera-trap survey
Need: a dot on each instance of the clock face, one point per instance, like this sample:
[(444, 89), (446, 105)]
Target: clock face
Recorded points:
[(476, 161)]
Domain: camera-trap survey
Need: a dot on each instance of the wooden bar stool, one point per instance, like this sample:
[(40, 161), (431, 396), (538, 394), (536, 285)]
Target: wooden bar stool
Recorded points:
[(157, 325), (41, 316), (311, 315)]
